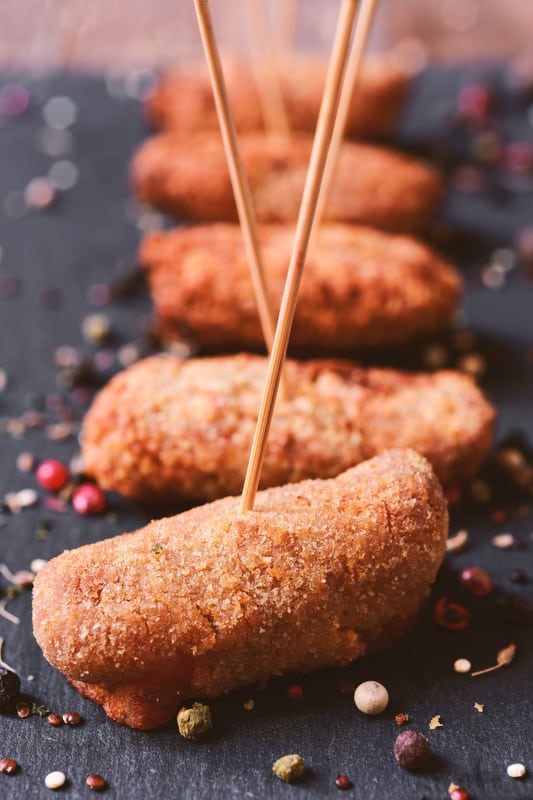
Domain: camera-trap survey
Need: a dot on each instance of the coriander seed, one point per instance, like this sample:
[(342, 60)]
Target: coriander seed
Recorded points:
[(371, 697)]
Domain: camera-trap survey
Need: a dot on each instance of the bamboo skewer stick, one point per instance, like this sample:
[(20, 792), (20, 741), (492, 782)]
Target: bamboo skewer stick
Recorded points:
[(321, 143), (364, 21), (266, 70), (241, 189)]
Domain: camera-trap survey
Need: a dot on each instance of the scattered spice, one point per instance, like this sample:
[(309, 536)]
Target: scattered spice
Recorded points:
[(295, 692), (40, 711), (195, 722), (157, 548), (451, 615), (435, 722), (503, 541), (516, 770), (25, 462), (503, 659), (401, 718), (96, 782), (52, 475), (343, 782), (54, 720), (289, 768), (72, 719), (458, 542), (55, 780), (479, 707), (458, 793), (88, 499), (462, 665), (8, 766), (23, 710), (412, 750), (477, 581), (249, 705), (371, 697), (518, 575), (37, 564)]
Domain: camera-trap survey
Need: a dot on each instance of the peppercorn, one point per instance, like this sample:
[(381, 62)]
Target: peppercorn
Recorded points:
[(518, 575), (55, 720), (52, 475), (9, 689), (96, 782), (194, 722), (371, 697), (411, 750), (88, 499), (289, 768), (451, 615), (477, 581), (458, 794), (72, 718), (23, 710), (343, 782), (8, 766)]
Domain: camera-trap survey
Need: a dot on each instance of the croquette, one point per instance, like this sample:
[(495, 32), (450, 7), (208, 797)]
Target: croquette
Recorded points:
[(318, 574), (361, 289), (187, 175), (167, 430), (183, 98)]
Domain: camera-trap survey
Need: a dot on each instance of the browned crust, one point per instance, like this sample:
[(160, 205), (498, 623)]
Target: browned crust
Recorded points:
[(361, 288), (188, 176), (212, 599), (183, 98), (167, 428)]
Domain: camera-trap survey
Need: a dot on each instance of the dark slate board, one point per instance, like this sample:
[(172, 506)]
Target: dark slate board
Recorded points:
[(89, 236)]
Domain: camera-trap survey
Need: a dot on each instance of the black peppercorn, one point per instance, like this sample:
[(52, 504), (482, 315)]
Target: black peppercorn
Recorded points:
[(411, 750), (9, 689)]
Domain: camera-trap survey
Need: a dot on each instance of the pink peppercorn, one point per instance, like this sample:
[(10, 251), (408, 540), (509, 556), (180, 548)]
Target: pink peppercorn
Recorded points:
[(477, 581), (459, 794), (295, 692), (52, 475), (451, 615), (343, 782), (88, 499)]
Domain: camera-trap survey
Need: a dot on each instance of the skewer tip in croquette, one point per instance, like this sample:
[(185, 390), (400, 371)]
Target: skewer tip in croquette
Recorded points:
[(183, 98), (166, 430), (318, 574), (360, 289), (188, 177)]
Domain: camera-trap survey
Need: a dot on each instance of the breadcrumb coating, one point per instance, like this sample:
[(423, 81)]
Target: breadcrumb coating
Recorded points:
[(360, 289), (187, 175), (167, 429), (183, 97), (318, 574)]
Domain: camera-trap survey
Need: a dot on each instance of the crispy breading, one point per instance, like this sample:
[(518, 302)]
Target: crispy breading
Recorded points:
[(166, 429), (183, 98), (360, 288), (187, 175), (318, 574)]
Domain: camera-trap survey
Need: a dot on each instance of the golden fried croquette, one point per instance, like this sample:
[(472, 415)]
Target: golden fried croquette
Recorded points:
[(360, 289), (188, 177), (167, 429), (318, 574), (183, 97)]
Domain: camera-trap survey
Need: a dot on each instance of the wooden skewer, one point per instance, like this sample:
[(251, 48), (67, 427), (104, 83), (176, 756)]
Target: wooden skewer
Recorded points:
[(362, 30), (288, 23), (241, 188), (266, 69), (317, 162)]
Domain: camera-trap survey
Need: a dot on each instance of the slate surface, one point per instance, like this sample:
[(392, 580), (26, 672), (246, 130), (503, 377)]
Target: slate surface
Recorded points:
[(89, 236)]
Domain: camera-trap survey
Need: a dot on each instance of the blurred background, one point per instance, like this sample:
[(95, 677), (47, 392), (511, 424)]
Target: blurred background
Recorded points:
[(104, 34)]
